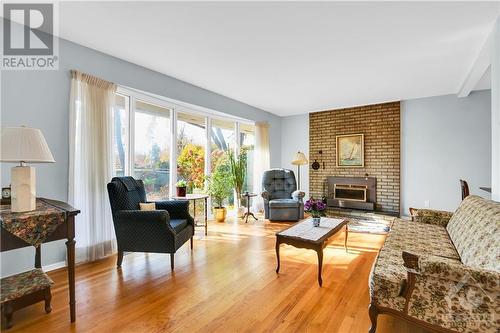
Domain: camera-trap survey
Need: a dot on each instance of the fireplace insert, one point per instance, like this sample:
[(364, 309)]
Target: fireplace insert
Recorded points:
[(351, 192)]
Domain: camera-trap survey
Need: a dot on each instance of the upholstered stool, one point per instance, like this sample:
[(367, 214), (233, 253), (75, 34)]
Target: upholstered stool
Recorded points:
[(23, 289)]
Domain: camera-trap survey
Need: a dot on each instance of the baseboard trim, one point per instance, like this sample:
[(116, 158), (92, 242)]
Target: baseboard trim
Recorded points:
[(54, 266)]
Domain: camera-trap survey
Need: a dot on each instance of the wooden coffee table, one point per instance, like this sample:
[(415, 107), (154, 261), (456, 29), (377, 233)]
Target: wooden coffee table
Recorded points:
[(304, 235)]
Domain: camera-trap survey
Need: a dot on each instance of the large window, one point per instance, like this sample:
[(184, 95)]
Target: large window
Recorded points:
[(120, 138), (191, 142), (223, 141), (247, 148), (152, 149), (146, 143)]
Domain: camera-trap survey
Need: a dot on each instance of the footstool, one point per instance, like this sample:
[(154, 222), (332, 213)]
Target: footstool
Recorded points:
[(23, 289)]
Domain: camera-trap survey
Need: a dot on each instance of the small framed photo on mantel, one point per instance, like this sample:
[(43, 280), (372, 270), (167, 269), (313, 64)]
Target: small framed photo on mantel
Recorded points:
[(350, 150)]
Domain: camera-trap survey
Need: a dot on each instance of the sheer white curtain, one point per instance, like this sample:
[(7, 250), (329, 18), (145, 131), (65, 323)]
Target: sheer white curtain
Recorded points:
[(261, 162), (90, 164)]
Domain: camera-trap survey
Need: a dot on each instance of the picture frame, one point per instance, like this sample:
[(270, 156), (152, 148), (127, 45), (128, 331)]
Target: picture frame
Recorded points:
[(350, 150)]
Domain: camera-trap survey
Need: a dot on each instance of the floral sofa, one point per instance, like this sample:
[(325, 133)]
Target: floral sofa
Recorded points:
[(442, 270)]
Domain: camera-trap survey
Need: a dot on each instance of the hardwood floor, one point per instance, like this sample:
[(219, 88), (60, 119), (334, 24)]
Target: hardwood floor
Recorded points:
[(227, 284)]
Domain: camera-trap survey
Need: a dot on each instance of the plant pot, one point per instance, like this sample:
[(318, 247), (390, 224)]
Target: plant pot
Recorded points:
[(220, 214), (316, 221), (181, 191)]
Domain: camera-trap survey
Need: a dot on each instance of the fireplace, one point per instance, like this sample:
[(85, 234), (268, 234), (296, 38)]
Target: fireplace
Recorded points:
[(349, 192), (352, 192)]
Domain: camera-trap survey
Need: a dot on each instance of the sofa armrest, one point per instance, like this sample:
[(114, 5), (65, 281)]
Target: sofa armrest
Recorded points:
[(177, 209), (298, 195), (441, 268), (430, 216)]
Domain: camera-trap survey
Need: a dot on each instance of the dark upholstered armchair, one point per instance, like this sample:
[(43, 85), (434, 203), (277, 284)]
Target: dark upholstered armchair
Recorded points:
[(160, 231), (282, 201)]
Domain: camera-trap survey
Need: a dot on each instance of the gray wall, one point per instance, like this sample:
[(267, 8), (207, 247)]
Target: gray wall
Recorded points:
[(40, 99), (295, 137), (444, 139)]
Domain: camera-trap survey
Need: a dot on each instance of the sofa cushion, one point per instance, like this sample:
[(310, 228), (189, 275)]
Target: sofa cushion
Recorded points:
[(422, 238), (178, 225), (284, 203), (474, 230)]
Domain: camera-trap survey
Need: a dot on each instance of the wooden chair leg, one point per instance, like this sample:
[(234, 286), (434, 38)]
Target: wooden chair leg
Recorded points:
[(171, 261), (48, 298), (119, 259), (373, 312), (191, 242), (8, 312)]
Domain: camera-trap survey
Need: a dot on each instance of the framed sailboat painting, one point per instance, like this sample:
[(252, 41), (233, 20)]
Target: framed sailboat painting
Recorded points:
[(351, 150)]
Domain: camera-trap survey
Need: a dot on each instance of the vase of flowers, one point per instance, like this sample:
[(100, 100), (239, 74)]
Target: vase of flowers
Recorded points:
[(316, 208)]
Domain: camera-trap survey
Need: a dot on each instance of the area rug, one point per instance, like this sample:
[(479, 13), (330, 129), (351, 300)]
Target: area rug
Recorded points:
[(367, 225)]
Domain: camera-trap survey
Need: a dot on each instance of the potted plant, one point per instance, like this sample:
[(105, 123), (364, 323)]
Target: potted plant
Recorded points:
[(316, 208), (238, 169), (220, 186), (181, 186)]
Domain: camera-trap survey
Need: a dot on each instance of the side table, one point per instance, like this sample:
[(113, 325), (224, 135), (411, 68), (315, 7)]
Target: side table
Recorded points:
[(194, 197), (248, 213)]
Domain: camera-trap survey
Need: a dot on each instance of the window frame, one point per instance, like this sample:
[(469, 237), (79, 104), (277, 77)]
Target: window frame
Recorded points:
[(174, 107)]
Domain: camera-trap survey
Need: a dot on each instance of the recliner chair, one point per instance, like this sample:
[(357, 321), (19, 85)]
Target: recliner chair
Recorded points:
[(163, 230), (282, 200)]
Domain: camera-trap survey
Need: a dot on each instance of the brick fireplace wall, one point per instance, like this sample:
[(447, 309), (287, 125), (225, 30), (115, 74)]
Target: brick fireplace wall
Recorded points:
[(380, 124)]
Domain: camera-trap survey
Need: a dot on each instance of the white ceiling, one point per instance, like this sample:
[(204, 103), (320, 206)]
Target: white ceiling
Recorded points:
[(288, 57)]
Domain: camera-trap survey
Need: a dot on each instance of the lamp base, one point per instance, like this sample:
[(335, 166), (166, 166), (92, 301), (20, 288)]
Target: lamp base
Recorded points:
[(23, 189)]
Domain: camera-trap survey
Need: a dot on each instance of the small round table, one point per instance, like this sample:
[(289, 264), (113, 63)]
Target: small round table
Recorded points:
[(248, 213), (194, 197)]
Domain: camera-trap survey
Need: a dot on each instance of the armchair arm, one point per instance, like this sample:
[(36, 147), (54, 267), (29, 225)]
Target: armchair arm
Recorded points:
[(177, 209), (430, 216), (143, 219), (265, 195), (298, 195)]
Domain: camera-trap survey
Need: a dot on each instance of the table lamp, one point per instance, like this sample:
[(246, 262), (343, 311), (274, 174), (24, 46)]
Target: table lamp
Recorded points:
[(300, 159), (24, 145)]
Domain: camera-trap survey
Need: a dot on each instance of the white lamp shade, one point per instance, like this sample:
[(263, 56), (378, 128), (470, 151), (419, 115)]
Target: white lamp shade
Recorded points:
[(24, 144), (300, 159)]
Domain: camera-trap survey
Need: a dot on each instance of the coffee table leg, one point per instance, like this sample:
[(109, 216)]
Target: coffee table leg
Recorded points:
[(278, 255), (320, 265)]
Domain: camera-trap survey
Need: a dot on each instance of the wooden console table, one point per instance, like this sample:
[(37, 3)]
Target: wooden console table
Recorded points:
[(65, 230)]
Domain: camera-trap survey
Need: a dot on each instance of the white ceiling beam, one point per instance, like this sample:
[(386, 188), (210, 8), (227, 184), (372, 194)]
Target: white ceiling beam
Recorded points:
[(478, 68)]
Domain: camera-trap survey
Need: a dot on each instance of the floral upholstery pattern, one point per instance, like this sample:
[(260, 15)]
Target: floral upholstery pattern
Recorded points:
[(421, 238), (450, 294), (33, 226), (457, 275), (18, 285), (387, 279), (475, 229), (431, 216), (388, 273)]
